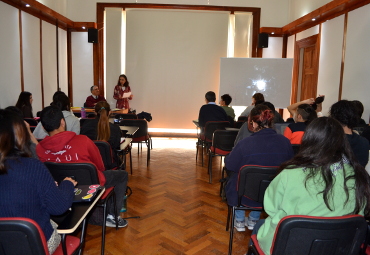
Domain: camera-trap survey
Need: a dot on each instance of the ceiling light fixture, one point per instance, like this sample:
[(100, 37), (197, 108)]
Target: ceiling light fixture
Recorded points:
[(273, 33), (27, 5), (313, 19), (83, 27)]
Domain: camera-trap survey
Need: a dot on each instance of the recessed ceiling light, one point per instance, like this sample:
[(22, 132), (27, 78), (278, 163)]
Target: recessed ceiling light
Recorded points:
[(273, 33), (83, 27), (313, 19), (27, 5)]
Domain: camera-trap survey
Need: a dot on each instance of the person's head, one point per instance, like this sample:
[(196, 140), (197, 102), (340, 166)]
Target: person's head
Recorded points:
[(95, 90), (14, 138), (102, 110), (15, 110), (359, 107), (269, 105), (257, 97), (323, 144), (52, 119), (261, 117), (210, 96), (225, 100), (344, 112), (305, 113), (122, 80), (24, 99), (62, 102)]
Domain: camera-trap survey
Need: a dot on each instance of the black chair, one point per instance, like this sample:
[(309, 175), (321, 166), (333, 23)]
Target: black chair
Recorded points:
[(24, 236), (31, 121), (141, 136), (238, 124), (85, 121), (206, 136), (106, 152), (85, 174), (222, 144), (280, 127), (243, 118), (253, 182), (308, 235), (126, 116)]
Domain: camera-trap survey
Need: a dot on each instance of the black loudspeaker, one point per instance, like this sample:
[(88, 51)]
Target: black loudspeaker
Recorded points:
[(263, 40), (92, 35)]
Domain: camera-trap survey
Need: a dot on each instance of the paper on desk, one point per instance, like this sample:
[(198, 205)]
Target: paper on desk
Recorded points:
[(123, 139), (126, 95)]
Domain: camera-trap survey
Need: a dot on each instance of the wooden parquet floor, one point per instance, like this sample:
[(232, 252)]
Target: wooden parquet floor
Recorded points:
[(180, 212)]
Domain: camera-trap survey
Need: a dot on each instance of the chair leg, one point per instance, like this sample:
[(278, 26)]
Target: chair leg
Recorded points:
[(202, 152), (148, 154), (103, 228), (210, 166), (228, 217), (130, 161), (232, 231)]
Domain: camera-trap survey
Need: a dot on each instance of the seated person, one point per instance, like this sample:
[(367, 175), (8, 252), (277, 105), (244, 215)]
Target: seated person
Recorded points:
[(95, 97), (224, 103), (303, 114), (360, 110), (61, 101), (345, 112), (277, 116), (210, 111), (65, 146), (101, 129), (24, 104), (264, 148), (300, 189), (27, 188), (257, 97)]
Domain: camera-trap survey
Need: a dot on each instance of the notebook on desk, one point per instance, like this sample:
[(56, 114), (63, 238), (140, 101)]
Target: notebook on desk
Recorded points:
[(86, 193)]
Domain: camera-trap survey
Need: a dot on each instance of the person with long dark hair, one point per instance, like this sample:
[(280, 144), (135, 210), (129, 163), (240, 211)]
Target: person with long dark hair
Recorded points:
[(264, 148), (27, 188), (323, 179), (122, 93), (24, 104)]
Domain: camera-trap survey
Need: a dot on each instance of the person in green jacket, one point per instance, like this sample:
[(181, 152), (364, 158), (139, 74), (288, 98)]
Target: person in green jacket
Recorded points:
[(224, 103), (323, 179)]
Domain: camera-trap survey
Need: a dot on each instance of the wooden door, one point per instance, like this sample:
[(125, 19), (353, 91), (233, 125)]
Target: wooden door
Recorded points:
[(305, 71)]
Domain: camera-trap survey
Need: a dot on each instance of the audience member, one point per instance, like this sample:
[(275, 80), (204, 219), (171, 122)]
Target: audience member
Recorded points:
[(65, 146), (94, 98), (27, 188), (224, 103), (101, 129), (61, 101), (210, 111), (360, 110), (265, 148), (345, 112), (303, 114), (33, 141), (24, 104), (277, 116), (257, 97), (323, 179)]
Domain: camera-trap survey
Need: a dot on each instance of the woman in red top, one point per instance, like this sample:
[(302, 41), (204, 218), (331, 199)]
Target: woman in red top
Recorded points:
[(122, 93)]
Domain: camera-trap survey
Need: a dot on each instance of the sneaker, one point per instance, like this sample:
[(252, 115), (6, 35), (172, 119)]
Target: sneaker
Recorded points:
[(110, 222), (239, 225), (249, 223)]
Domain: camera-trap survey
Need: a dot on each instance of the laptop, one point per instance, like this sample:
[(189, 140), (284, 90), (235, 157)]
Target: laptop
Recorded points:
[(86, 193)]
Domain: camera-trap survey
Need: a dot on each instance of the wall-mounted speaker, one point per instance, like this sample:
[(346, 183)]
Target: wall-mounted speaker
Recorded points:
[(263, 40), (92, 35)]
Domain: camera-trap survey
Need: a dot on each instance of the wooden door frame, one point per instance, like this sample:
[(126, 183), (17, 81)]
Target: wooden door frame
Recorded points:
[(306, 42)]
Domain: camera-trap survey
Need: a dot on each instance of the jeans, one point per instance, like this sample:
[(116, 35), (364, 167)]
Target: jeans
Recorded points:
[(117, 179), (253, 215)]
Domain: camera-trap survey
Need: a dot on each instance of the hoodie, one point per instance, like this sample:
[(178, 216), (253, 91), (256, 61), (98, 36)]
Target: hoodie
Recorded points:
[(68, 147)]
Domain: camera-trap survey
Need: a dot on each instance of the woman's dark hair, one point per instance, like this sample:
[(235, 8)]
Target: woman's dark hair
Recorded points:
[(56, 94), (345, 112), (323, 144), (23, 100), (263, 116), (14, 138), (258, 97), (127, 84), (61, 101), (307, 112), (102, 110), (359, 107), (226, 98)]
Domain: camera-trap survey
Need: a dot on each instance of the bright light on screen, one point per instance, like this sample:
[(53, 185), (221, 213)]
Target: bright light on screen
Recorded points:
[(243, 77)]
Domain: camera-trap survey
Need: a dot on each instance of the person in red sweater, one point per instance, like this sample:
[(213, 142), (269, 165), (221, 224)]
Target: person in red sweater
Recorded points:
[(65, 146), (95, 97)]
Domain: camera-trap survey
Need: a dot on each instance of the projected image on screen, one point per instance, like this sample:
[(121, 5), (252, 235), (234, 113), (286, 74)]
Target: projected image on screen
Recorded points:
[(243, 77)]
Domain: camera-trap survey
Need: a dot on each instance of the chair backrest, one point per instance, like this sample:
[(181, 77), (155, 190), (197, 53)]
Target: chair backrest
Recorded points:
[(280, 127), (31, 122), (84, 173), (238, 124), (127, 116), (142, 124), (254, 180), (242, 118), (106, 154), (212, 126), (85, 121), (224, 139), (308, 235), (21, 236)]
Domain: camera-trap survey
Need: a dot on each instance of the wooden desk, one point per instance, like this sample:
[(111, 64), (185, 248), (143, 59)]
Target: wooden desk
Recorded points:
[(131, 130), (92, 110)]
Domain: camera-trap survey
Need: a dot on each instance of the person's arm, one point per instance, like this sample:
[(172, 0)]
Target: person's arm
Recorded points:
[(32, 137), (293, 108), (233, 161), (116, 94)]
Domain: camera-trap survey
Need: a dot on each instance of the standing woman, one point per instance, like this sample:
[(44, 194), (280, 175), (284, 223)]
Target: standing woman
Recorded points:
[(120, 89), (27, 188), (24, 104)]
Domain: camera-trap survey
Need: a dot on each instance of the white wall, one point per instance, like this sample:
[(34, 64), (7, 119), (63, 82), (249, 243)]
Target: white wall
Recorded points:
[(299, 8), (274, 49)]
